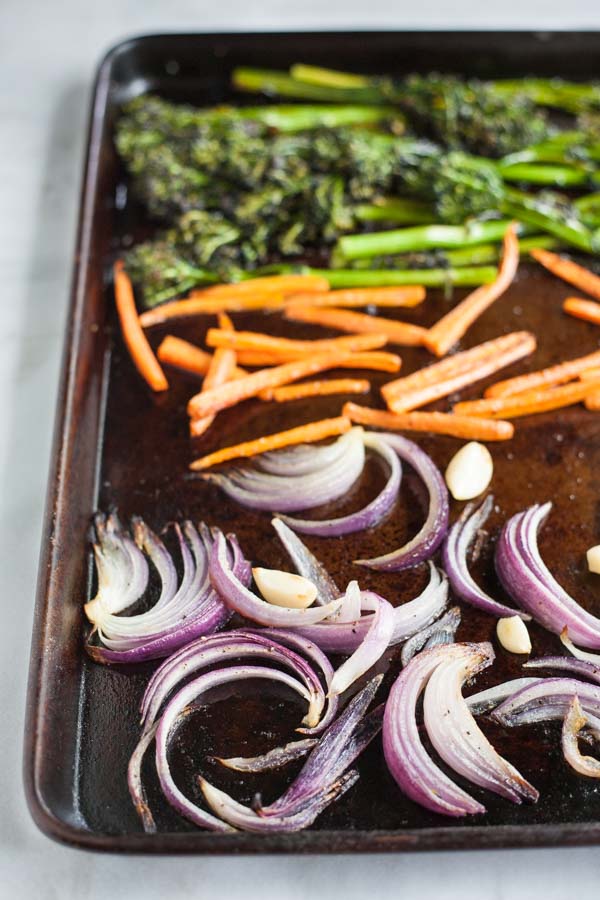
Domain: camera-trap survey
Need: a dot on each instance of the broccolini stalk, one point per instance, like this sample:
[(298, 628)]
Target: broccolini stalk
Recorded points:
[(346, 278), (568, 96), (549, 174), (282, 84), (400, 211), (480, 255), (588, 208), (553, 214)]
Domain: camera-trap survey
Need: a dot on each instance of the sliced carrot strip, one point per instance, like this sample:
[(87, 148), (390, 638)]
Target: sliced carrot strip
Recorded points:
[(467, 427), (207, 402), (455, 372), (225, 322), (570, 271), (221, 369), (448, 330), (588, 310), (174, 351), (345, 320), (265, 343), (408, 296), (529, 402), (139, 349), (304, 434), (592, 401), (377, 361), (201, 306), (316, 389), (278, 284), (552, 375)]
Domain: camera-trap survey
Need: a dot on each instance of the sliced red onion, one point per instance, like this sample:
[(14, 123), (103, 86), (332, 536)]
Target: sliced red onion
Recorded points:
[(306, 564), (483, 701), (428, 539), (273, 759), (291, 491), (580, 667), (247, 604), (574, 721), (122, 569), (305, 458), (367, 517), (454, 559), (410, 765), (548, 699), (175, 712), (134, 780), (179, 615), (456, 736), (440, 632), (532, 586), (576, 651), (373, 646), (222, 648), (409, 618)]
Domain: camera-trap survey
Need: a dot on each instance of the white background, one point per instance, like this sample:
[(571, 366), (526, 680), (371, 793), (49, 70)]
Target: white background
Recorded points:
[(48, 52)]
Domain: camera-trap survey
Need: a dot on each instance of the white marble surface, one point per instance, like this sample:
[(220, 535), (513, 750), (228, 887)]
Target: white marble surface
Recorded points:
[(48, 54)]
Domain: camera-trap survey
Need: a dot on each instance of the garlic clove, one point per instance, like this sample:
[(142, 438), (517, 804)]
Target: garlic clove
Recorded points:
[(593, 559), (285, 588), (469, 471), (513, 635)]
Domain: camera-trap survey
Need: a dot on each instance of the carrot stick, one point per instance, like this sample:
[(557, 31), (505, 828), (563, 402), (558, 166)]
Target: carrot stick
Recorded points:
[(466, 427), (455, 372), (530, 402), (566, 269), (345, 320), (448, 330), (221, 369), (553, 375), (225, 323), (207, 402), (197, 306), (592, 401), (408, 296), (278, 284), (588, 310), (378, 361), (139, 349), (316, 389), (250, 340), (174, 351), (304, 434)]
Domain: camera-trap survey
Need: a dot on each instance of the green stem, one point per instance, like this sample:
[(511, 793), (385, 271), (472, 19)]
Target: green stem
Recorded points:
[(282, 84), (328, 77), (343, 278), (289, 118), (546, 174), (400, 211), (565, 95), (530, 210)]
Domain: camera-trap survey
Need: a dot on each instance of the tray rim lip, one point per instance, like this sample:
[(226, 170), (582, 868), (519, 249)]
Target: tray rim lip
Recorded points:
[(450, 837)]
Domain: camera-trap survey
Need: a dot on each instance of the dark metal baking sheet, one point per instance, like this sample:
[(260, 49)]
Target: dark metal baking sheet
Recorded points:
[(115, 444)]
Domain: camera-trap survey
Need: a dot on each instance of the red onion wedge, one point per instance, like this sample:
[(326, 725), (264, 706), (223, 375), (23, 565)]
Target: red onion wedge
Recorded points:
[(580, 667), (576, 651), (411, 617), (548, 699), (328, 478), (412, 768), (273, 759), (306, 564), (440, 632), (134, 780), (531, 585), (175, 712), (373, 646), (247, 604), (573, 723), (455, 551), (455, 734), (424, 544), (179, 615), (483, 701), (371, 514)]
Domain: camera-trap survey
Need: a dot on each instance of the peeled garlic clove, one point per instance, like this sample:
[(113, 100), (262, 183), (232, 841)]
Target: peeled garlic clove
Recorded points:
[(469, 471), (593, 559), (513, 635), (284, 588)]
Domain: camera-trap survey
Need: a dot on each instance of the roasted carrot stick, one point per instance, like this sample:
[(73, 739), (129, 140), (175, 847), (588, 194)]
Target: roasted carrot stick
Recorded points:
[(174, 351), (196, 306), (566, 269), (448, 330), (408, 296), (205, 403), (375, 360), (466, 427), (530, 402), (588, 310), (592, 401), (265, 343), (225, 323), (304, 434), (139, 349), (553, 375), (455, 372), (316, 389), (221, 369), (277, 284), (402, 333)]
